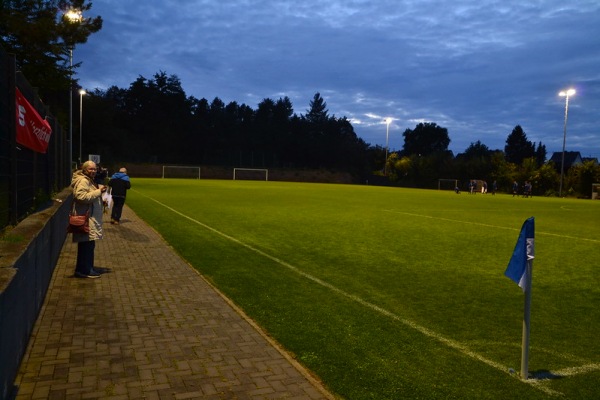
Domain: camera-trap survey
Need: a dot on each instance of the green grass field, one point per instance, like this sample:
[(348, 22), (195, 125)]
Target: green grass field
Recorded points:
[(389, 293)]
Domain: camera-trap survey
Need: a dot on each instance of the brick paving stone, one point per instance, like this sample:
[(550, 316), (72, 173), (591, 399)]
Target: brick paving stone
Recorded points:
[(150, 328)]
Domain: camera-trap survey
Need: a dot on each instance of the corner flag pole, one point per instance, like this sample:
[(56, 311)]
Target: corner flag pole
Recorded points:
[(519, 270), (526, 322)]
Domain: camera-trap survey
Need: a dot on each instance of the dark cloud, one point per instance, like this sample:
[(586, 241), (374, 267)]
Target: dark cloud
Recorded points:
[(478, 68)]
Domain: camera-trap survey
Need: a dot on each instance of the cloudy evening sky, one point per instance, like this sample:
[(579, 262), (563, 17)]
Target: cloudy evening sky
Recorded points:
[(475, 67)]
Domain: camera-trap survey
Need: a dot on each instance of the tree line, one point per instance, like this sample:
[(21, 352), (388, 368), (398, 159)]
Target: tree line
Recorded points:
[(153, 120), (425, 159)]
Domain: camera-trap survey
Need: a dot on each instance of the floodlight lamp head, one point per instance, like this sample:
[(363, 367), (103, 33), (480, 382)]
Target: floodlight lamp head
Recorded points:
[(74, 15), (568, 93)]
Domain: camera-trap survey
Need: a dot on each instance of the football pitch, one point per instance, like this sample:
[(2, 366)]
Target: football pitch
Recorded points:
[(390, 293)]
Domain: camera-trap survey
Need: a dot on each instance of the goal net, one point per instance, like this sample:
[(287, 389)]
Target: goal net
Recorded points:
[(595, 191), (175, 171), (447, 184), (254, 174)]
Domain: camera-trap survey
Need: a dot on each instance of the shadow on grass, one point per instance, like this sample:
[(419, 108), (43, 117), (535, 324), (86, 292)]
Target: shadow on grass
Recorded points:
[(542, 374)]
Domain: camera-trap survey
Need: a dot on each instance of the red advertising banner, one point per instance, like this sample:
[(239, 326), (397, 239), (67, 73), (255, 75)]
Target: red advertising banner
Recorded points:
[(33, 131)]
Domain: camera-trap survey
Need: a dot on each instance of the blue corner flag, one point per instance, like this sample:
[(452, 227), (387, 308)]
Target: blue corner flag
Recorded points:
[(524, 251)]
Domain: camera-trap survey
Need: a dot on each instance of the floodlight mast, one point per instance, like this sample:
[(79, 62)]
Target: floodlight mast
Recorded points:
[(387, 139), (74, 16), (566, 94), (81, 93)]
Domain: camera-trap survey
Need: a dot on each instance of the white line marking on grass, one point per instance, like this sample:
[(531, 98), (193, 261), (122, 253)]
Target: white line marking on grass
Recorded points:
[(570, 371), (425, 331), (577, 370), (568, 357), (491, 226)]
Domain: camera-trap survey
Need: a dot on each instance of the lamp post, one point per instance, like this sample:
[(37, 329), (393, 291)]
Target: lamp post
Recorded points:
[(387, 138), (73, 16), (81, 93), (566, 94)]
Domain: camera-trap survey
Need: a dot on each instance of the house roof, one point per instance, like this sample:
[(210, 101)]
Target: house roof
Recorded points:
[(571, 158)]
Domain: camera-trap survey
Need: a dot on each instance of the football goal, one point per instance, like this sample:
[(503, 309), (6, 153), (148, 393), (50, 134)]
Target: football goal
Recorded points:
[(255, 174), (176, 171), (447, 184)]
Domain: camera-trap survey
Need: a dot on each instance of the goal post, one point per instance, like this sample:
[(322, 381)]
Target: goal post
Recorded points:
[(447, 184), (178, 171), (250, 174), (595, 191)]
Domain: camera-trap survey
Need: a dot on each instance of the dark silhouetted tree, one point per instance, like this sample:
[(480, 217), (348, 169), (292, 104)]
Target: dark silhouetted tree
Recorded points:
[(41, 39), (477, 150), (425, 139), (540, 154), (518, 147), (317, 114), (159, 109), (475, 162), (583, 176)]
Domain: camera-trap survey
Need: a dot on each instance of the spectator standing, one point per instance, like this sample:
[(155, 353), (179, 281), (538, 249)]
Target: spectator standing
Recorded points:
[(119, 183), (101, 175), (87, 196)]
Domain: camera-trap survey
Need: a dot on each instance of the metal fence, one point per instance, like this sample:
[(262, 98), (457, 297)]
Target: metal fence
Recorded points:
[(27, 178)]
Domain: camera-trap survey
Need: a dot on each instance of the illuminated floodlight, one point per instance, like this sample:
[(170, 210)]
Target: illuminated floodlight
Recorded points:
[(566, 94), (74, 15), (388, 121)]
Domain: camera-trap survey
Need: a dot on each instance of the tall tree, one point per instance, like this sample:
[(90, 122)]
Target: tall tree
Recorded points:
[(318, 110), (272, 128), (158, 108), (425, 139), (477, 150), (283, 109), (518, 147), (502, 171), (475, 162), (545, 180), (540, 154), (585, 175), (41, 41), (104, 126)]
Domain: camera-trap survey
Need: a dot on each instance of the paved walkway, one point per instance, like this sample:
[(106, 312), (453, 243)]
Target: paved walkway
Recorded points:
[(151, 328)]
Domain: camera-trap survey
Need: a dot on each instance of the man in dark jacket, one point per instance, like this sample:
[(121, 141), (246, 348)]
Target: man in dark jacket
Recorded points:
[(119, 183)]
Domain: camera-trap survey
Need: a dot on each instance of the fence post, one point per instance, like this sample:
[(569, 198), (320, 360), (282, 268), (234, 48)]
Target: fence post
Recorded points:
[(12, 131)]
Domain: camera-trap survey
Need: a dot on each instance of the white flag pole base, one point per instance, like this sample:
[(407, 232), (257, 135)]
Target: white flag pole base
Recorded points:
[(526, 323)]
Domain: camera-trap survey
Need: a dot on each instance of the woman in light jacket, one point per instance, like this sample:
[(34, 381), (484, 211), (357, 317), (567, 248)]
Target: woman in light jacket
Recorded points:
[(87, 195)]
